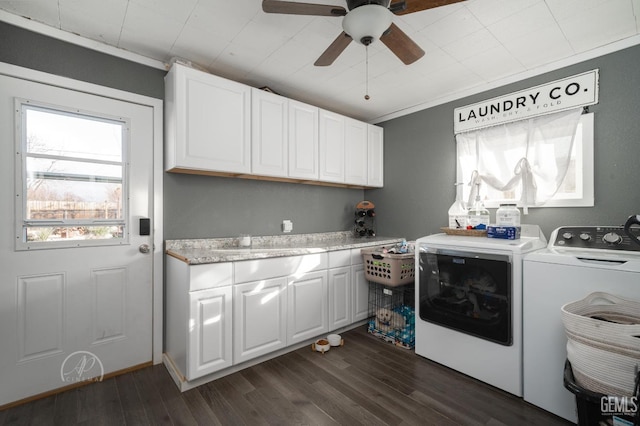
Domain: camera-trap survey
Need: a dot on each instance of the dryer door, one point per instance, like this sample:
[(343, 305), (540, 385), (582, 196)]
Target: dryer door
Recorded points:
[(469, 292)]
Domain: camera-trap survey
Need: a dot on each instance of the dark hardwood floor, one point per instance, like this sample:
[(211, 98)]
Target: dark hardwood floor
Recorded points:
[(365, 382)]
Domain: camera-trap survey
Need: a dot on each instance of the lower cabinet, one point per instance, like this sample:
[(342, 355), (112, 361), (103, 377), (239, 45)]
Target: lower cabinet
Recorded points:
[(307, 306), (210, 334), (222, 314), (339, 297), (360, 293), (259, 318)]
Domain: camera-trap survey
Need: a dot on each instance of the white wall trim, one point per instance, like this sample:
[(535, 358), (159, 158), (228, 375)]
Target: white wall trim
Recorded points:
[(59, 34), (158, 138), (581, 57)]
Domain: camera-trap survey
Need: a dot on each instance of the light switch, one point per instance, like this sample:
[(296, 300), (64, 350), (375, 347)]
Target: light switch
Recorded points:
[(287, 226)]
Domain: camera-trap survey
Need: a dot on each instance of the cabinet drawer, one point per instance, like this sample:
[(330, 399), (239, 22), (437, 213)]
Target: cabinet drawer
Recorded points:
[(210, 275), (262, 269), (339, 258)]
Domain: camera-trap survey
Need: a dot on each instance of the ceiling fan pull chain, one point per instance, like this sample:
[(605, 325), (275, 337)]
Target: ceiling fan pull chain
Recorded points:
[(366, 94)]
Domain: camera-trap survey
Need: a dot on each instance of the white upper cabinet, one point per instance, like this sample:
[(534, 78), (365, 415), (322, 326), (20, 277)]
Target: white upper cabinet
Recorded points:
[(221, 127), (355, 148), (375, 156), (303, 141), (332, 139), (270, 133), (208, 122)]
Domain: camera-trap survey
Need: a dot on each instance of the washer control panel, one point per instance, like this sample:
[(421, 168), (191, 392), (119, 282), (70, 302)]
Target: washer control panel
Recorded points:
[(596, 237)]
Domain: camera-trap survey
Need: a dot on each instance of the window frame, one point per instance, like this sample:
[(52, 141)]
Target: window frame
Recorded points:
[(21, 178), (584, 160)]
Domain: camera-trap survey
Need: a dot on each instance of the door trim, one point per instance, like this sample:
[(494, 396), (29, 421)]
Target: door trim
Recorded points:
[(158, 138)]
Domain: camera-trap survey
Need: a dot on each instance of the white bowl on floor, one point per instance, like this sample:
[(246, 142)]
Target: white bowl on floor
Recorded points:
[(334, 339)]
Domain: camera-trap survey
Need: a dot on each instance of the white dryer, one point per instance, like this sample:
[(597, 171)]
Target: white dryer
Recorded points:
[(578, 260), (469, 304)]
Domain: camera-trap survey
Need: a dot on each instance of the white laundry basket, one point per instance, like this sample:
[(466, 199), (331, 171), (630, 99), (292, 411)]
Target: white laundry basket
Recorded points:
[(603, 342)]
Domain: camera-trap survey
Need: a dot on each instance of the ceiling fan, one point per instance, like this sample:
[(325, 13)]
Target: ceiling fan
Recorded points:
[(365, 22)]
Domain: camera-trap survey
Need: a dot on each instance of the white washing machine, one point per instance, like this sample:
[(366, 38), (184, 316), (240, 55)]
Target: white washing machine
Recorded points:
[(469, 304), (577, 261)]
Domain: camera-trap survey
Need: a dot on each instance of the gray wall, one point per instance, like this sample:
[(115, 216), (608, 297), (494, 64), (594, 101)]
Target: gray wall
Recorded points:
[(31, 50), (194, 206), (420, 156), (206, 206)]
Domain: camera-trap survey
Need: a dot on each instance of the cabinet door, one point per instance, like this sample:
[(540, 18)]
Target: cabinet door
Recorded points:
[(269, 130), (331, 147), (208, 122), (303, 141), (360, 292), (339, 297), (209, 331), (307, 306), (259, 318), (355, 147), (375, 154)]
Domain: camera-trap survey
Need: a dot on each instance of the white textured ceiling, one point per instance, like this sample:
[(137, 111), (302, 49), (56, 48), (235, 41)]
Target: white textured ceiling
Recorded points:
[(468, 45)]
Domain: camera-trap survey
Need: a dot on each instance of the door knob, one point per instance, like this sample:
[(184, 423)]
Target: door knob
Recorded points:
[(144, 248)]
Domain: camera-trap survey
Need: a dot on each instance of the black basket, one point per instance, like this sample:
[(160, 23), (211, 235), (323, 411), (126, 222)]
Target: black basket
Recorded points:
[(588, 404)]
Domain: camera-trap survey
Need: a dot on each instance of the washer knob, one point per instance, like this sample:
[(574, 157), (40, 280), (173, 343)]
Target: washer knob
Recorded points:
[(585, 237), (612, 238), (567, 235)]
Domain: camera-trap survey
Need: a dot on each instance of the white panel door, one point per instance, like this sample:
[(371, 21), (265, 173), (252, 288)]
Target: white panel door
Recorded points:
[(208, 122), (355, 148), (360, 293), (259, 318), (375, 153), (307, 306), (210, 334), (68, 314), (331, 147), (339, 297), (303, 140), (269, 134)]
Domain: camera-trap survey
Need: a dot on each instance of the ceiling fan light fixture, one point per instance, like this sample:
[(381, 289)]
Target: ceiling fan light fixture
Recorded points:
[(366, 23)]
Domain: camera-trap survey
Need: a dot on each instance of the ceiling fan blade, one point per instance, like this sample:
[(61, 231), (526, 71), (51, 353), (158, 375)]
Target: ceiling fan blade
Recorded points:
[(334, 50), (401, 45), (293, 8), (412, 6)]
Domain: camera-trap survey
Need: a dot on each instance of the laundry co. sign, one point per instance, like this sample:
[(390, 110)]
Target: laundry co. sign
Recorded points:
[(571, 92)]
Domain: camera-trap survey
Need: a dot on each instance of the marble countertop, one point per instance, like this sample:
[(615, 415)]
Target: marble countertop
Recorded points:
[(214, 250)]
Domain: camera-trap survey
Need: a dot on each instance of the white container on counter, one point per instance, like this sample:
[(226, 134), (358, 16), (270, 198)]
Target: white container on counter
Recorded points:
[(244, 240), (478, 214), (508, 215), (458, 211)]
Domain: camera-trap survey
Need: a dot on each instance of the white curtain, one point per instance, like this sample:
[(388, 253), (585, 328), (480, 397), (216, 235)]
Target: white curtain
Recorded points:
[(527, 157)]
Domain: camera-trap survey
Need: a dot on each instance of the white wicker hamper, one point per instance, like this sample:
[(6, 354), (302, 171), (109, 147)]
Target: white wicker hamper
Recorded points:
[(603, 342)]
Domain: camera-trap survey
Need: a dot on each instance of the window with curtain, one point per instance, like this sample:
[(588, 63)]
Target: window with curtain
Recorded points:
[(546, 161)]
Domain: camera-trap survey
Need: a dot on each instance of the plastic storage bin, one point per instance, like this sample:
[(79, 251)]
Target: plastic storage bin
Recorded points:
[(590, 405), (387, 268)]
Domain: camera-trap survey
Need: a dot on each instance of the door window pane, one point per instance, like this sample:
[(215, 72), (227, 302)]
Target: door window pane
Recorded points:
[(73, 178)]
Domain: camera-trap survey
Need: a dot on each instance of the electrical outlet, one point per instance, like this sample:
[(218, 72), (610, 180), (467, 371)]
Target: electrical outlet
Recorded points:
[(287, 226)]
